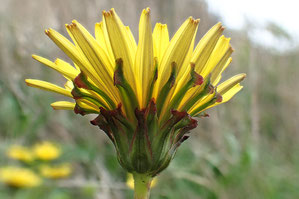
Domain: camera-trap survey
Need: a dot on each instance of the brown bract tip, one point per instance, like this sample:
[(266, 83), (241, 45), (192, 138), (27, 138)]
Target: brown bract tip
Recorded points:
[(76, 94), (152, 108), (193, 124), (111, 113), (80, 81), (47, 32), (218, 98), (211, 88), (179, 114), (198, 79), (206, 115), (140, 114), (184, 138), (79, 110)]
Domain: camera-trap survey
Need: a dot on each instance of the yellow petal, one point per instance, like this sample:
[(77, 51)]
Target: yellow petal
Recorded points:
[(120, 42), (97, 57), (219, 51), (85, 104), (200, 103), (63, 64), (48, 87), (221, 65), (93, 47), (69, 85), (103, 39), (215, 63), (231, 92), (160, 40), (176, 51), (132, 42), (64, 69), (216, 73), (184, 73), (190, 94), (226, 96), (205, 47), (94, 95), (144, 66), (231, 82), (64, 44), (183, 77), (73, 52), (63, 105), (226, 89)]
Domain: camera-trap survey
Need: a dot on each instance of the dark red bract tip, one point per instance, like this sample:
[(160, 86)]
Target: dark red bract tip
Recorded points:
[(140, 114), (179, 114), (211, 88), (76, 94), (184, 138), (206, 115), (218, 98), (79, 110), (193, 124), (94, 122), (152, 106), (198, 79), (79, 81)]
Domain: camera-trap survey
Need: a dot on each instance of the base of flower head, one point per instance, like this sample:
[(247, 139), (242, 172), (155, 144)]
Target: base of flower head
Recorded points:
[(145, 145)]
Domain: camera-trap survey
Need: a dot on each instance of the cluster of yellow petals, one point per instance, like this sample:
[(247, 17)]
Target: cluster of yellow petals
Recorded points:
[(46, 151), (19, 177), (26, 177), (95, 57), (55, 172), (21, 153)]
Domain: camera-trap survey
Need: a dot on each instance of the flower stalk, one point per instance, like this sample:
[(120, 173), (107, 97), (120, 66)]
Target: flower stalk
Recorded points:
[(142, 185)]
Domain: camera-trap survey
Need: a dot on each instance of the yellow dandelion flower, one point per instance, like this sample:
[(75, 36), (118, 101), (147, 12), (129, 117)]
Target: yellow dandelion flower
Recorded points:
[(146, 94), (46, 151), (56, 172), (19, 177), (21, 153)]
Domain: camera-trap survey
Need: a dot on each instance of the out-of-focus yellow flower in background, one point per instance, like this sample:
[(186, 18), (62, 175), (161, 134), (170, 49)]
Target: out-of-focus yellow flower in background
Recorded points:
[(46, 151), (130, 181), (19, 177), (21, 153), (55, 172)]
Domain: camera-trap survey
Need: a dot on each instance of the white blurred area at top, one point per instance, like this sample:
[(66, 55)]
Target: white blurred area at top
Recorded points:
[(271, 23)]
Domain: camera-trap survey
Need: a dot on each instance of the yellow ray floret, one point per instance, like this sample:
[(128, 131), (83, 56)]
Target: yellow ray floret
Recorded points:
[(48, 87), (144, 60), (63, 105), (176, 51), (160, 40), (121, 43)]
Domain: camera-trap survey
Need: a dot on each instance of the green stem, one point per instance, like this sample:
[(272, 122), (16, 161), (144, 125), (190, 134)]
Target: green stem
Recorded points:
[(142, 185)]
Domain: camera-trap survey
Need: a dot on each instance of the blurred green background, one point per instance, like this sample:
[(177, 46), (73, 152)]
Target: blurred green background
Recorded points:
[(247, 148)]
